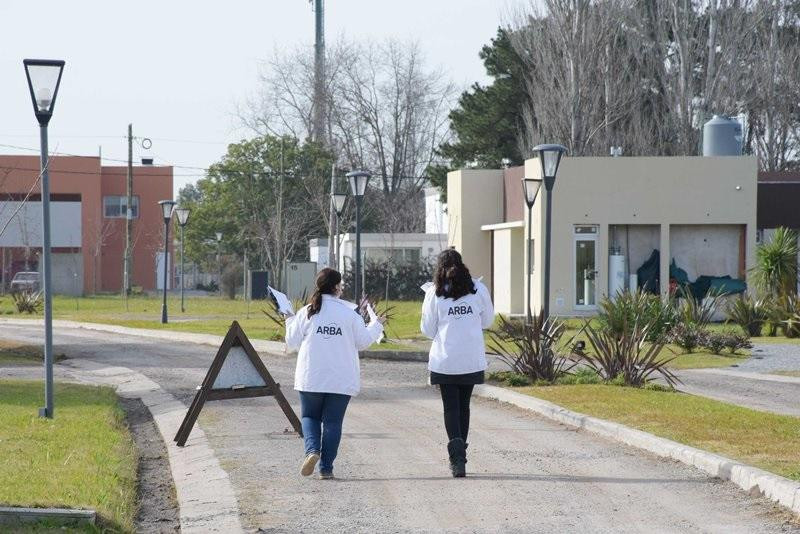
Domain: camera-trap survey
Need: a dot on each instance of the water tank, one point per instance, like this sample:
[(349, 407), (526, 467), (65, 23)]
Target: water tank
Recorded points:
[(722, 136), (616, 273)]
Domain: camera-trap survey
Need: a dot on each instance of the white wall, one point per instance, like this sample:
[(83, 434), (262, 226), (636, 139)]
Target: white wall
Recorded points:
[(436, 220), (25, 228)]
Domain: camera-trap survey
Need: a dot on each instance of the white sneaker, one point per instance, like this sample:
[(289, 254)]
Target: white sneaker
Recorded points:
[(309, 464)]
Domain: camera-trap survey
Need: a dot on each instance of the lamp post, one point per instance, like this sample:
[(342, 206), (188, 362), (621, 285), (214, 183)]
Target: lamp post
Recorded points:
[(44, 79), (166, 211), (183, 217), (549, 159), (338, 201), (358, 185), (219, 265), (530, 186)]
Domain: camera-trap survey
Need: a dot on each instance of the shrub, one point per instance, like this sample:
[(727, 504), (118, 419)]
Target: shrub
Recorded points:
[(627, 358), (687, 336), (698, 312), (749, 313), (232, 275), (27, 301), (776, 264), (584, 375), (714, 342), (530, 347), (629, 307), (510, 378), (734, 342)]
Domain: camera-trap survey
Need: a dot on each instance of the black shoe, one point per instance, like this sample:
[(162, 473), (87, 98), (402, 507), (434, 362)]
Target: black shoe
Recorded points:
[(458, 457)]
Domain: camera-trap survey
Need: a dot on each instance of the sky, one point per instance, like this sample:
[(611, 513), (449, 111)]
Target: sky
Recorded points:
[(177, 70)]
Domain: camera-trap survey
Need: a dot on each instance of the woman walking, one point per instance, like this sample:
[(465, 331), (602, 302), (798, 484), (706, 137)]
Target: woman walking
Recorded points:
[(329, 333), (455, 312)]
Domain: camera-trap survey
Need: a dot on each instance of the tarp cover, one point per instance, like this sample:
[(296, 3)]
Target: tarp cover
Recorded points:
[(649, 279)]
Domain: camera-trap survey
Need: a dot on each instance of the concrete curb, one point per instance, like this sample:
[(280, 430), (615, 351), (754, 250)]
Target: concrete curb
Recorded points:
[(779, 489), (261, 345), (60, 516), (205, 494)]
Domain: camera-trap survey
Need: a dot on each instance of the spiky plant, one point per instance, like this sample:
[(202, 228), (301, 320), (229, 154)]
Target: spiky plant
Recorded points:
[(775, 272), (627, 356), (531, 347), (27, 301), (749, 313)]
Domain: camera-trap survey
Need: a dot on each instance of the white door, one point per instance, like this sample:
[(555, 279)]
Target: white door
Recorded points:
[(160, 271), (585, 268)]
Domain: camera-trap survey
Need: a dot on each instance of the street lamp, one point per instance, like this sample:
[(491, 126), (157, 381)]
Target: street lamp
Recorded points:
[(183, 217), (44, 79), (549, 159), (358, 185), (338, 200), (219, 265), (530, 186), (166, 211)]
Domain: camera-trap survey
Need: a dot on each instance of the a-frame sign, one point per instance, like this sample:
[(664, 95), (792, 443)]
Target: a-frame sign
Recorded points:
[(236, 373)]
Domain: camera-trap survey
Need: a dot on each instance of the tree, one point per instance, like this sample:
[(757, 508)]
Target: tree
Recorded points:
[(265, 195), (486, 122), (386, 113)]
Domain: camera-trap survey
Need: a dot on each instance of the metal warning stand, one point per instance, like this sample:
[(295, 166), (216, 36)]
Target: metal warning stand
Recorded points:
[(236, 373)]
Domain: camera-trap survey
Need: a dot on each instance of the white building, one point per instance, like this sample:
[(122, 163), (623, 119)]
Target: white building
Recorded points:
[(403, 247)]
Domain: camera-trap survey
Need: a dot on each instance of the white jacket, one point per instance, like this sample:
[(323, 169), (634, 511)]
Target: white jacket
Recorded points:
[(329, 343), (456, 328)]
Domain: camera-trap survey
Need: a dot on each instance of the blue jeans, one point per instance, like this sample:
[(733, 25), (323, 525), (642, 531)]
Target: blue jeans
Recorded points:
[(323, 413)]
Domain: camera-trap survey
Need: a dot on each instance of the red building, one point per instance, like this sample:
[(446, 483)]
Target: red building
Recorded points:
[(87, 209)]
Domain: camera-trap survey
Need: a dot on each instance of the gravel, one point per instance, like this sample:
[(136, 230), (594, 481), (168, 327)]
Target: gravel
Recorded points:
[(527, 474), (778, 357)]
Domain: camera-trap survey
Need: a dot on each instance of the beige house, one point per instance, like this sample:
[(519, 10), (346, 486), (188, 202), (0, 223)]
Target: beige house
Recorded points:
[(609, 216)]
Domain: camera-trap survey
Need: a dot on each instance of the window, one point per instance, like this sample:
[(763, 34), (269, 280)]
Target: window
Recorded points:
[(114, 207), (397, 255)]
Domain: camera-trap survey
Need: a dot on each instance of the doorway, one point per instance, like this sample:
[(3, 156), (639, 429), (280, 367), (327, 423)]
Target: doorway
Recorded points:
[(585, 273)]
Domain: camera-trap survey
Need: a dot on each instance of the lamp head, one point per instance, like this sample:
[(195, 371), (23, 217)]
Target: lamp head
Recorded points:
[(166, 209), (530, 188), (358, 182), (549, 158), (44, 79), (182, 214), (339, 200)]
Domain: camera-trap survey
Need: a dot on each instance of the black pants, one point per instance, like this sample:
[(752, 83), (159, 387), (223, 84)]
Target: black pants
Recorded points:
[(455, 399)]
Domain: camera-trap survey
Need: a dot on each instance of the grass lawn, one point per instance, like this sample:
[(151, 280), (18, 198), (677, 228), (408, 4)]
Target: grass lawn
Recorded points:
[(768, 441), (84, 458)]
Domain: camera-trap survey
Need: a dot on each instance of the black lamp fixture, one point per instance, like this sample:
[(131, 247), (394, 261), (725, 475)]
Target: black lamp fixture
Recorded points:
[(44, 79), (166, 210), (530, 187), (358, 185), (182, 214), (339, 200), (549, 159)]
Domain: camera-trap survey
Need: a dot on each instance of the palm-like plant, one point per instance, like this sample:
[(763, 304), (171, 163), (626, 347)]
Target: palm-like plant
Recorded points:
[(531, 347), (776, 264), (627, 355), (749, 313)]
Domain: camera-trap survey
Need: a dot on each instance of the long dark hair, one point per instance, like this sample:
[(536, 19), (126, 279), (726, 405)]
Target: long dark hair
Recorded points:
[(451, 276), (325, 284)]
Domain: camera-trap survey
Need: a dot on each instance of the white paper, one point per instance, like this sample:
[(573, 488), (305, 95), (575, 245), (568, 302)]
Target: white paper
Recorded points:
[(284, 304), (373, 317)]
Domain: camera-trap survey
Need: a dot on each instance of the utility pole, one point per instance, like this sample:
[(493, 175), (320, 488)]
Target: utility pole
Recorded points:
[(127, 263), (279, 236), (334, 223), (319, 71)]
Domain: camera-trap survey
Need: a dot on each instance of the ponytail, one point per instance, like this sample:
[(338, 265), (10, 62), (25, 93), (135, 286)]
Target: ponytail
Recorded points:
[(452, 277), (325, 284)]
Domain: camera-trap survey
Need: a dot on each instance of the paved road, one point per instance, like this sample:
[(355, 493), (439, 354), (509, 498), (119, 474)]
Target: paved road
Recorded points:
[(749, 383), (527, 474)]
